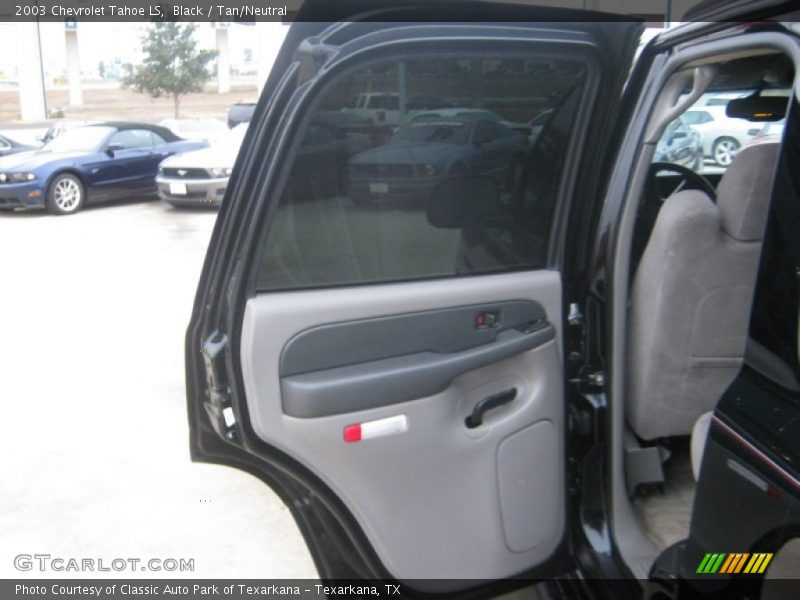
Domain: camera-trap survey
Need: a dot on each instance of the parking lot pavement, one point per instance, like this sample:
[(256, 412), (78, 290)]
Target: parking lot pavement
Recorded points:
[(94, 459)]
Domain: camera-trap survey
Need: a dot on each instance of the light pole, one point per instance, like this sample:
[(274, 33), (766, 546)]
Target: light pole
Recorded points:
[(41, 61), (32, 99)]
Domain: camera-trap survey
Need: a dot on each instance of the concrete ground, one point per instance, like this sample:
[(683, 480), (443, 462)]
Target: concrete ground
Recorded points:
[(94, 457)]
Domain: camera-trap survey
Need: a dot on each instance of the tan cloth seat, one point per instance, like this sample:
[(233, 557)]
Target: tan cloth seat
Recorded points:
[(692, 295)]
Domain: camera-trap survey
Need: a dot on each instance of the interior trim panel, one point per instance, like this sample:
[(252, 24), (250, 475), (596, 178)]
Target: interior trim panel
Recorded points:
[(364, 364), (435, 450)]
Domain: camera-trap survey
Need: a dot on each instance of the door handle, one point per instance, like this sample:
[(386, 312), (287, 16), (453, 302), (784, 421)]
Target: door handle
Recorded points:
[(487, 404)]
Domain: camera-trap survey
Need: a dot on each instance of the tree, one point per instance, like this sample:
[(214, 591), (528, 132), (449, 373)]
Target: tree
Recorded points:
[(173, 66)]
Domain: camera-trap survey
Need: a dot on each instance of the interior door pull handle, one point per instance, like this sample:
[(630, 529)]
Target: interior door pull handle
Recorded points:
[(487, 404)]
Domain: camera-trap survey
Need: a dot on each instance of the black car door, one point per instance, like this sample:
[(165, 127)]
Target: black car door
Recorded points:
[(391, 371)]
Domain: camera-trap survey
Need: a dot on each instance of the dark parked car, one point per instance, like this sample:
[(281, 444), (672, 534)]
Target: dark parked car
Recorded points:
[(241, 112), (10, 146), (431, 147), (86, 164), (534, 384)]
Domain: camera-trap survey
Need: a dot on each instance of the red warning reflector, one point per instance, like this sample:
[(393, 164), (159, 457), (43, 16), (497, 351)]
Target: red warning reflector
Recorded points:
[(374, 429), (352, 433)]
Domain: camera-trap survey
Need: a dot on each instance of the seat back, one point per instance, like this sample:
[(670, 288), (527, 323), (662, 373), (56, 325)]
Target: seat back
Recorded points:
[(691, 297)]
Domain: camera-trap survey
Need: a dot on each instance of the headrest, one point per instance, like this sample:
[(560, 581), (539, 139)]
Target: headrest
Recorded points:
[(744, 191)]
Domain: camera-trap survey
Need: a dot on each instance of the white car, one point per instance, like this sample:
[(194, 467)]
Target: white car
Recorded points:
[(720, 135), (722, 99), (383, 108), (772, 131), (200, 129), (200, 177)]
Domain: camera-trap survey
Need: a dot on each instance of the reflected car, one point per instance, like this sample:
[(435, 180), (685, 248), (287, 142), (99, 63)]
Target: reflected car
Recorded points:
[(538, 123), (680, 145), (383, 108), (720, 135), (430, 148), (96, 162), (11, 146), (200, 176), (325, 150)]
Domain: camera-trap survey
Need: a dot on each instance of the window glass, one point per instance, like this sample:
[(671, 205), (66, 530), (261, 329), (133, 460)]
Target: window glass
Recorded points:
[(485, 131), (80, 139), (375, 195), (385, 102), (696, 117), (713, 138), (134, 138)]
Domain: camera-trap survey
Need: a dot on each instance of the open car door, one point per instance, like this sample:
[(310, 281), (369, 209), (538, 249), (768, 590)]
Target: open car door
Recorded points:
[(379, 330)]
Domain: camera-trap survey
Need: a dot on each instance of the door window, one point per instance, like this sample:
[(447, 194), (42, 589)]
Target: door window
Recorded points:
[(697, 117), (358, 209), (385, 102), (134, 138), (485, 131), (713, 139)]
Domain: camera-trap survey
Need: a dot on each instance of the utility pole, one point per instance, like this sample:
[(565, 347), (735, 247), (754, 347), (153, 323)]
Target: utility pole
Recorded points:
[(32, 101)]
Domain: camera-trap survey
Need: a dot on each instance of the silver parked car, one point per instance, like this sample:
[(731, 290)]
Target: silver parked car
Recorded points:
[(201, 176)]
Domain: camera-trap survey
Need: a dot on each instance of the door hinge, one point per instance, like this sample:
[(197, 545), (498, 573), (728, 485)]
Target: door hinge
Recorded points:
[(219, 400), (576, 340)]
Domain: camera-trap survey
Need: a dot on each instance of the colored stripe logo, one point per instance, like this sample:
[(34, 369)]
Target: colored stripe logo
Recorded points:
[(734, 563)]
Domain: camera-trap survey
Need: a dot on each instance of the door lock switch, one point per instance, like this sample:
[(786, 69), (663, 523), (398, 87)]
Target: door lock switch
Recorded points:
[(487, 320)]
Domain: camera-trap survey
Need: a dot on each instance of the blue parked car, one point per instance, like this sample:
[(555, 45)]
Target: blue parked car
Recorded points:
[(96, 162)]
